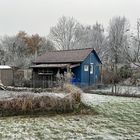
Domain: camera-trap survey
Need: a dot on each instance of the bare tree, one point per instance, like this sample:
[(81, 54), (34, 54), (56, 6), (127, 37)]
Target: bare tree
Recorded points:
[(69, 34), (65, 33), (2, 57), (133, 50), (14, 51), (46, 45), (117, 39), (94, 36)]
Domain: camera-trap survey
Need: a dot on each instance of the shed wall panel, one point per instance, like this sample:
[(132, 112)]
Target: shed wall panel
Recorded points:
[(86, 77), (7, 77)]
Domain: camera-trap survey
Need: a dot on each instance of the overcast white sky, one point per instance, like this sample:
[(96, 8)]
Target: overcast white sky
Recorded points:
[(37, 16)]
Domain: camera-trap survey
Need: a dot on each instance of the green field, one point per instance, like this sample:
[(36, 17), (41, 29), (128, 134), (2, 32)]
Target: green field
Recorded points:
[(118, 118)]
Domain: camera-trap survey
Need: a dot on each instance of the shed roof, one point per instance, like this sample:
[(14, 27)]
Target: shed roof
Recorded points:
[(49, 66), (54, 65), (5, 67), (64, 56)]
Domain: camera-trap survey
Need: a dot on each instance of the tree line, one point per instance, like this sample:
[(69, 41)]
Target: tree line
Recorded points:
[(116, 44), (22, 49)]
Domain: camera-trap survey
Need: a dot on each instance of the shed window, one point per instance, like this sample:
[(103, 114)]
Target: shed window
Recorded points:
[(86, 67), (91, 68)]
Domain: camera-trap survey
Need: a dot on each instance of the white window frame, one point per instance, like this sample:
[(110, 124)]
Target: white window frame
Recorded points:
[(86, 67), (91, 68)]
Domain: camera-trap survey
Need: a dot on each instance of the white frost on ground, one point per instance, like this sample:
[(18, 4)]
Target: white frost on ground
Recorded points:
[(95, 99), (12, 94), (118, 119), (120, 90)]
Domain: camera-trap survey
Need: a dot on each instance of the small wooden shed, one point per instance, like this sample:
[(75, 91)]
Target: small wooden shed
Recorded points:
[(83, 63), (6, 75)]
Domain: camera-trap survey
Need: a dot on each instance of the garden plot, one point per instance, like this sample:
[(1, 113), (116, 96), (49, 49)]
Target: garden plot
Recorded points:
[(118, 119)]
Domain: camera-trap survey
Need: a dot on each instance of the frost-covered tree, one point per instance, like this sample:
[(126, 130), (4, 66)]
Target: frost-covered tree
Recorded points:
[(133, 50), (94, 36), (20, 50), (69, 34), (117, 39), (65, 34), (2, 56), (35, 43), (46, 45), (15, 51)]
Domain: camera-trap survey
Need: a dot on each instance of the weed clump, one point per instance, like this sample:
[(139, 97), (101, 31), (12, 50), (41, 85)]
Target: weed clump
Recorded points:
[(74, 91)]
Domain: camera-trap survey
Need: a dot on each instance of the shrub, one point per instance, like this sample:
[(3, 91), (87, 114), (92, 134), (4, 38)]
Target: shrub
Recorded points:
[(74, 91), (125, 72), (34, 103)]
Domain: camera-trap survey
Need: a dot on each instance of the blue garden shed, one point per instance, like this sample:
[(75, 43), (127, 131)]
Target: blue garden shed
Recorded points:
[(83, 63)]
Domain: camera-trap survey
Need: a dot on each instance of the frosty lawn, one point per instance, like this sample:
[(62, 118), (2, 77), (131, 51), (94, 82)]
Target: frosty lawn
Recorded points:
[(119, 118)]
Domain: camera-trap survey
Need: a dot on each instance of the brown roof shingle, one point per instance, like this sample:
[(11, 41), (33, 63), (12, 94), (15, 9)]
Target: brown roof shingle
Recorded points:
[(65, 56)]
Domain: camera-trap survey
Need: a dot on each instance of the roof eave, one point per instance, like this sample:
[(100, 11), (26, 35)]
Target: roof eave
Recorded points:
[(58, 62)]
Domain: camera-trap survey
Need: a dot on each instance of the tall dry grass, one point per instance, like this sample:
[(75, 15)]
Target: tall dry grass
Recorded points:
[(36, 104), (25, 103), (74, 91)]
